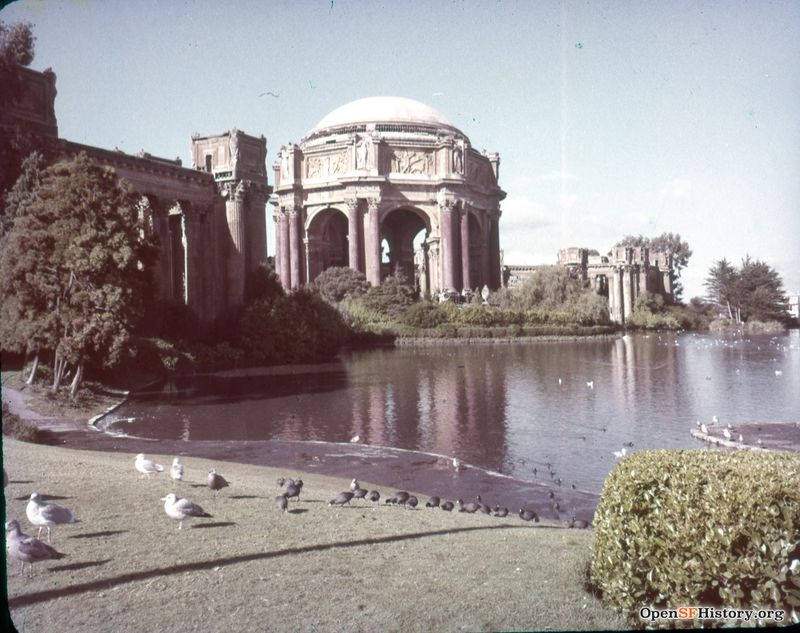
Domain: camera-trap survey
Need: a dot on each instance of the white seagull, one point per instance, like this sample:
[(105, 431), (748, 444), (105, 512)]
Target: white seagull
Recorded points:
[(182, 509), (354, 485), (27, 549), (715, 419), (621, 454), (147, 466), (727, 434), (47, 515), (590, 384), (704, 429), (355, 439), (176, 470)]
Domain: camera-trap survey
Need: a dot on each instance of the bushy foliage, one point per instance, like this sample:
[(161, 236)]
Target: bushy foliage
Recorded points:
[(426, 314), (16, 427), (300, 327), (550, 287), (679, 527), (753, 291), (262, 284), (341, 282), (665, 243), (392, 296), (75, 268)]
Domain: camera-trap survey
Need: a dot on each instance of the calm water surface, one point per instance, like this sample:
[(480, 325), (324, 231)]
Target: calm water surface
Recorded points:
[(505, 408)]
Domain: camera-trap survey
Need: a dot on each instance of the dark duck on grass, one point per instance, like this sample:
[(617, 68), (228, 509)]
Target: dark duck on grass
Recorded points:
[(341, 499)]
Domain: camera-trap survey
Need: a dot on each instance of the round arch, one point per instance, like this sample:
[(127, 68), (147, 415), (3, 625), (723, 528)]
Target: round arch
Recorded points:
[(326, 241), (400, 228)]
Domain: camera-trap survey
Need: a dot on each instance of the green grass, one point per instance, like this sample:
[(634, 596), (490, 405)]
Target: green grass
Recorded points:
[(253, 568)]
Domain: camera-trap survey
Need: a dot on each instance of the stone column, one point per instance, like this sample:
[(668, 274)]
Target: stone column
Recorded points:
[(235, 215), (256, 229), (353, 234), (295, 247), (627, 292), (276, 217), (466, 277), (286, 250), (619, 294), (494, 251), (447, 244), (485, 227), (373, 242)]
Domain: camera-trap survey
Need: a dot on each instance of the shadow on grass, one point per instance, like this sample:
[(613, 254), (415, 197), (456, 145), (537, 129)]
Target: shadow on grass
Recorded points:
[(298, 511), (97, 534), (244, 497), (20, 481), (200, 526), (84, 565), (43, 498), (145, 574)]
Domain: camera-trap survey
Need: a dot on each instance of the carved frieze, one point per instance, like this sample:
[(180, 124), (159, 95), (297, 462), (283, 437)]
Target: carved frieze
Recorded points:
[(327, 165), (409, 161)]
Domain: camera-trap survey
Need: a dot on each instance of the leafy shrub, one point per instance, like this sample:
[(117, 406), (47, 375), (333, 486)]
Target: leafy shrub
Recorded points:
[(649, 321), (340, 282), (262, 284), (16, 427), (425, 314), (391, 297), (300, 327), (679, 527)]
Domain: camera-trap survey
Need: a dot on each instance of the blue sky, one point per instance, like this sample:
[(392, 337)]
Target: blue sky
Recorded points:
[(610, 117)]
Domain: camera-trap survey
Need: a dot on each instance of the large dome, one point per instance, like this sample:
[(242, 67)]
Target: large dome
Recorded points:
[(382, 110)]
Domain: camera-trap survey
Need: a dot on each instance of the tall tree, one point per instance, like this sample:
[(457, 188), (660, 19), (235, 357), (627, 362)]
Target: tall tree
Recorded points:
[(665, 243), (74, 269), (722, 287), (753, 292)]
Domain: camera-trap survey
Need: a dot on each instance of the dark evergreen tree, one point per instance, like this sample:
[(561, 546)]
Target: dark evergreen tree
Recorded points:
[(74, 269)]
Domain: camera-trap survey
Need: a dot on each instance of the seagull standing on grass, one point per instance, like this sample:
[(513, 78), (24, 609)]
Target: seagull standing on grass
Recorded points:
[(147, 466), (176, 470), (27, 549), (216, 481), (47, 515), (182, 509)]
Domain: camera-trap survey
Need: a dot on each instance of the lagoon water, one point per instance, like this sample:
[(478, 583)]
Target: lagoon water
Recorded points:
[(512, 409)]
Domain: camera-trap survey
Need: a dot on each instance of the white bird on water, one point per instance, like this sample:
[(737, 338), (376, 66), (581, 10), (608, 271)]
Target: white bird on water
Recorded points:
[(621, 454), (182, 509), (590, 384), (176, 470), (704, 429), (147, 466), (715, 419), (355, 439), (27, 549), (47, 515), (727, 434)]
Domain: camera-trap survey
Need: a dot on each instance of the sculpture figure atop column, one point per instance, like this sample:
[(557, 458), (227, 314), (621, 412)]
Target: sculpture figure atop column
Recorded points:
[(458, 158)]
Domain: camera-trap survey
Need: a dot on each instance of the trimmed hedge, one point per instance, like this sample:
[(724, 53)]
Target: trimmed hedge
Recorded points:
[(681, 528)]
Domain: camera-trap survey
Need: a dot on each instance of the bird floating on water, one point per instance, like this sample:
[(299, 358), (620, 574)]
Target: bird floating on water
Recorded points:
[(47, 515), (528, 515), (727, 434), (704, 429), (621, 453), (715, 419), (146, 466), (27, 549), (355, 439), (590, 384), (182, 509)]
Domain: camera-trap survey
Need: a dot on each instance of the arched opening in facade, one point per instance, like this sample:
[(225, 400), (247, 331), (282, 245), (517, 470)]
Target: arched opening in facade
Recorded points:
[(327, 242), (400, 230)]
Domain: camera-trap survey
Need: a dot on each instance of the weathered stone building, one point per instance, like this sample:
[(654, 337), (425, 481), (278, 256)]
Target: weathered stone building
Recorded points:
[(210, 220), (622, 276), (388, 183)]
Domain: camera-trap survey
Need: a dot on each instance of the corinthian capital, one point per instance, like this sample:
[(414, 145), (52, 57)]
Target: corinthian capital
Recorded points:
[(373, 204)]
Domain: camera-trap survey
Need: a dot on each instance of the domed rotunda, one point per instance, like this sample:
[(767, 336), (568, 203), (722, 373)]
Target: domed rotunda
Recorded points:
[(388, 184)]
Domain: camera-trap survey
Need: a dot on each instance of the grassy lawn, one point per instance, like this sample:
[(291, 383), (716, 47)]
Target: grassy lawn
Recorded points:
[(252, 568)]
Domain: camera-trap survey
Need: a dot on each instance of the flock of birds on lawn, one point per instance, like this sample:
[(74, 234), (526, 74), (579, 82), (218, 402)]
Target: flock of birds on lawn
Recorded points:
[(47, 515)]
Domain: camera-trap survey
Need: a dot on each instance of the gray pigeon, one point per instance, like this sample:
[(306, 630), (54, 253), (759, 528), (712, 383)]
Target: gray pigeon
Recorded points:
[(27, 549), (293, 490), (374, 496), (281, 502), (469, 507), (341, 499)]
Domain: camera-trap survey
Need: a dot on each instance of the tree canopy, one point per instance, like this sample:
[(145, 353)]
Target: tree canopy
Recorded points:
[(752, 292), (665, 243), (74, 267)]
